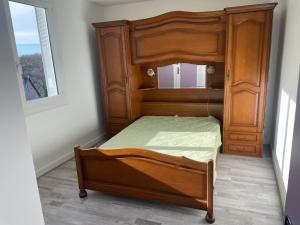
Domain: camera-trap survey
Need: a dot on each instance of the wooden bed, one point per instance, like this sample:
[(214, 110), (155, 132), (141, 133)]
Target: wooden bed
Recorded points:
[(128, 49), (148, 174)]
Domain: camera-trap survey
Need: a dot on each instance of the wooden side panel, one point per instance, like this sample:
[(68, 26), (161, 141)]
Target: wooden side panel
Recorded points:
[(113, 61), (179, 35)]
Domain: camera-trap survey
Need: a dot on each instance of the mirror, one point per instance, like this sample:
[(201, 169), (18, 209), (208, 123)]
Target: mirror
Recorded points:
[(184, 75)]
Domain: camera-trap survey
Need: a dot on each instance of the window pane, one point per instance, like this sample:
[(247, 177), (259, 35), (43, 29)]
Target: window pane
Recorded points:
[(188, 75), (182, 75), (165, 76), (34, 50)]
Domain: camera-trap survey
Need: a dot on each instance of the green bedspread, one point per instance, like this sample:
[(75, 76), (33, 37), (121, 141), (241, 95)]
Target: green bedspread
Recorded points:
[(196, 138)]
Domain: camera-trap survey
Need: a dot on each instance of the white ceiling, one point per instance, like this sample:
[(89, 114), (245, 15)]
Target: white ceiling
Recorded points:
[(115, 2)]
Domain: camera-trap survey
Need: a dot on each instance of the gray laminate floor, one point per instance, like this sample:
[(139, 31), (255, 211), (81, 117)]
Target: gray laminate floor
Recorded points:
[(245, 194)]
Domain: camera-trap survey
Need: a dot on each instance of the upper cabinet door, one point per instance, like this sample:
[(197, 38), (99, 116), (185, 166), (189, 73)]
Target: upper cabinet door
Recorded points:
[(247, 57), (179, 36), (113, 62)]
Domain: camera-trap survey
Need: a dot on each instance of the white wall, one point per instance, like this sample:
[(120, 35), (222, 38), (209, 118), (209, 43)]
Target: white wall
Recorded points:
[(54, 133), (20, 202), (289, 68), (293, 197), (146, 9)]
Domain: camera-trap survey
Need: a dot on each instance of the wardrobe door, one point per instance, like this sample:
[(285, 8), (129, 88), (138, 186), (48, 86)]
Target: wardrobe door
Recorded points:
[(248, 43), (111, 42)]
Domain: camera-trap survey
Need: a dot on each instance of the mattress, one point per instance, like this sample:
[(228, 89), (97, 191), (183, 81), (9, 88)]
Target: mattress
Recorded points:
[(196, 138)]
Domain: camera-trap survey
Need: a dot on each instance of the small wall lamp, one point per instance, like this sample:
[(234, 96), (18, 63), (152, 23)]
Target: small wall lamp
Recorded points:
[(210, 70), (150, 72)]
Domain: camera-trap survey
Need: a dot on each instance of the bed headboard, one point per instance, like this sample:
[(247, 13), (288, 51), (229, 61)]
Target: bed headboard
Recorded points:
[(183, 102), (149, 99), (183, 109)]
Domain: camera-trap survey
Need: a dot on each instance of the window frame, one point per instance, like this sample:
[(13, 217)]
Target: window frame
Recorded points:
[(48, 103), (177, 75)]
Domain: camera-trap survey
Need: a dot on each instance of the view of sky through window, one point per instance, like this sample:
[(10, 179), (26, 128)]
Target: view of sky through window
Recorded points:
[(34, 50), (25, 28)]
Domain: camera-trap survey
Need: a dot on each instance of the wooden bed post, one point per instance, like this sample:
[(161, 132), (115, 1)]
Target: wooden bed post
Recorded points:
[(82, 191), (210, 187)]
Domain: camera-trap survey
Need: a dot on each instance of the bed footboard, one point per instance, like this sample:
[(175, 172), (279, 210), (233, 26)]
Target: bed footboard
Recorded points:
[(146, 174)]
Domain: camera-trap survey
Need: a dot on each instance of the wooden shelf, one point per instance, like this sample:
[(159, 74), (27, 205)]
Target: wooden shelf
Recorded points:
[(146, 88), (178, 89)]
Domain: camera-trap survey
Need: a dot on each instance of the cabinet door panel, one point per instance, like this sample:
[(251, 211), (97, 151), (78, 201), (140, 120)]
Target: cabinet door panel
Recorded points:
[(244, 104), (246, 67), (179, 35), (117, 108), (113, 59), (247, 45), (113, 74)]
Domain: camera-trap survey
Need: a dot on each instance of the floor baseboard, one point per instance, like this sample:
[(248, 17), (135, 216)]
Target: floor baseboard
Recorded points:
[(279, 179), (67, 156), (53, 164), (93, 142)]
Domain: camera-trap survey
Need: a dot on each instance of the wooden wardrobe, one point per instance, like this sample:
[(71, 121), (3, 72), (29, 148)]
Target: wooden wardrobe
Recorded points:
[(236, 40)]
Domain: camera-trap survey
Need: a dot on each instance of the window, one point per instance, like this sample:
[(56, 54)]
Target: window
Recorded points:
[(182, 75), (34, 52), (284, 136)]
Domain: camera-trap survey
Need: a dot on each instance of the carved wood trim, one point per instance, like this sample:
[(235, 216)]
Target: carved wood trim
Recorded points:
[(250, 8), (178, 16), (208, 27)]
